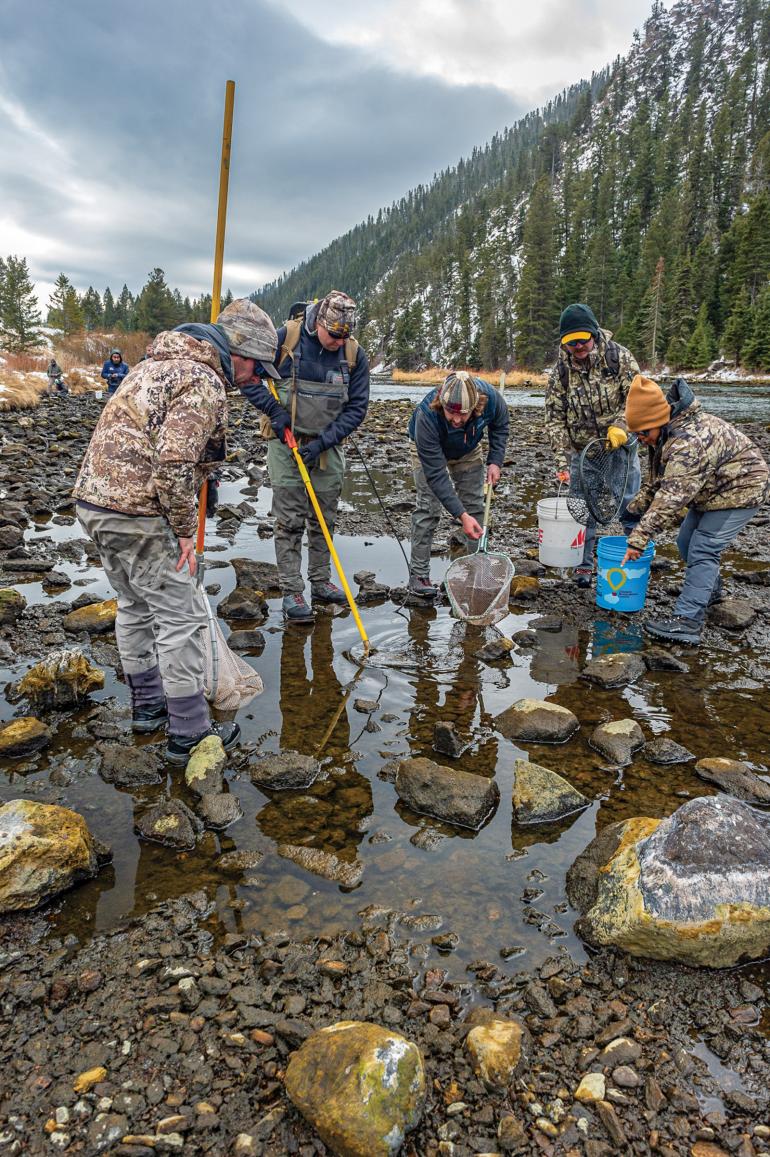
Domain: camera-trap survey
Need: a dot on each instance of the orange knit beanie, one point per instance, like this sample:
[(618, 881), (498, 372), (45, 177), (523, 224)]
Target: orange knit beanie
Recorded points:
[(646, 405)]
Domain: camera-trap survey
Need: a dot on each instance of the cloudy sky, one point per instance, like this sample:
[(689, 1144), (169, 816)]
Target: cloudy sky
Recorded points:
[(111, 119)]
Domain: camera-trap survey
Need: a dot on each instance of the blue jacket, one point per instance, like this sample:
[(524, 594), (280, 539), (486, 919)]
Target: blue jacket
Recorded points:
[(438, 443), (109, 370), (315, 364)]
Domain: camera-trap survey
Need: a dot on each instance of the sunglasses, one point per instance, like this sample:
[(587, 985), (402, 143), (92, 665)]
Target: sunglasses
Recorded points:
[(338, 331), (578, 341)]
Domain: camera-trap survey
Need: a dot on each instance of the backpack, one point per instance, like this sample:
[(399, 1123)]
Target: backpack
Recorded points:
[(611, 357)]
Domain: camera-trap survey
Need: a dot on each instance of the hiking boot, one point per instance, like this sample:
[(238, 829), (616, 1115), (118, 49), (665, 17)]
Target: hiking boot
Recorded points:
[(717, 595), (179, 746), (677, 629), (328, 593), (419, 585), (150, 717), (296, 610), (583, 576)]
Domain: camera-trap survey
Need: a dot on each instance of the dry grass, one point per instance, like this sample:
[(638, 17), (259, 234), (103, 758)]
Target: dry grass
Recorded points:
[(19, 391), (25, 363), (435, 376), (88, 349)]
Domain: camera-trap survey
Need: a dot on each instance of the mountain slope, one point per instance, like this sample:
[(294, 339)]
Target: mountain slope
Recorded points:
[(644, 191)]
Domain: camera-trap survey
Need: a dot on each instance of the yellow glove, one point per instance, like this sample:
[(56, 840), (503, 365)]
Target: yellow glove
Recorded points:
[(616, 437)]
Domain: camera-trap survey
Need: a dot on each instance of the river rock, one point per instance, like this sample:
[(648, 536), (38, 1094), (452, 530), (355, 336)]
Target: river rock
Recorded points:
[(616, 670), (246, 641), (238, 861), (43, 850), (542, 796), (170, 823), (536, 721), (618, 740), (664, 751), (455, 796), (496, 1051), (259, 576), (244, 603), (96, 618), (693, 888), (129, 766), (323, 864), (22, 737), (495, 649), (360, 1086), (286, 771), (12, 605), (446, 739), (523, 588), (658, 659), (10, 536), (63, 680), (734, 614), (204, 773), (220, 810), (735, 777)]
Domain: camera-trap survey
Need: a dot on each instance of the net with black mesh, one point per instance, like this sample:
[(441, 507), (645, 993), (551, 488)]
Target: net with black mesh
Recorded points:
[(598, 484), (478, 586)]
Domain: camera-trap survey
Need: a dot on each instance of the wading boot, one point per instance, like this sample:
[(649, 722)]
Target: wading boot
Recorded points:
[(328, 593), (421, 586), (179, 746), (677, 629), (582, 576), (149, 717), (296, 610)]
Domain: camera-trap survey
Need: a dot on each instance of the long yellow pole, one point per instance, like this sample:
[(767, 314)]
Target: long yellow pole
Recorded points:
[(216, 292), (291, 442)]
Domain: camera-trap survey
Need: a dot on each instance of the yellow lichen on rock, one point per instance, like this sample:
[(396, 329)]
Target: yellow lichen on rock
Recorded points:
[(43, 850), (495, 1049), (95, 618)]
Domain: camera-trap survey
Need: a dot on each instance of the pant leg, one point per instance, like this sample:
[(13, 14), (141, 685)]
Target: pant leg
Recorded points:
[(469, 484), (146, 552), (290, 510), (319, 559), (715, 530), (686, 531), (425, 519)]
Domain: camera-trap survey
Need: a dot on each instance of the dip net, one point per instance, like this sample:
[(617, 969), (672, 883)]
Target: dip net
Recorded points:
[(230, 683)]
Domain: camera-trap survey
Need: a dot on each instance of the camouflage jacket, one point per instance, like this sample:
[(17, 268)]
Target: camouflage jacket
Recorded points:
[(158, 436), (700, 460), (592, 399)]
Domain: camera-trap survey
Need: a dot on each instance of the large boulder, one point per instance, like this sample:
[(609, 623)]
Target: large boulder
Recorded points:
[(616, 670), (12, 605), (360, 1086), (43, 850), (23, 737), (694, 888), (96, 618), (64, 679), (541, 796), (260, 576), (536, 721), (455, 796), (286, 771), (735, 777)]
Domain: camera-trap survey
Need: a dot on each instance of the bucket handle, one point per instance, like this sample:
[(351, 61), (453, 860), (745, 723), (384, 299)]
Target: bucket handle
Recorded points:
[(558, 496)]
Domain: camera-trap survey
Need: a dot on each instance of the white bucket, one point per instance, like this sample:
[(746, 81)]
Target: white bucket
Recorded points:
[(560, 539)]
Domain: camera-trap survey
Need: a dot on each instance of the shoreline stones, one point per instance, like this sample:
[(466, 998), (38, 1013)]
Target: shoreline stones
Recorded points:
[(618, 740), (496, 1047), (204, 773), (64, 679), (665, 751), (543, 796), (44, 849), (735, 777), (537, 721), (170, 823), (286, 771), (617, 670), (447, 793), (360, 1086), (95, 618), (129, 766), (23, 737), (323, 864), (12, 606), (693, 888)]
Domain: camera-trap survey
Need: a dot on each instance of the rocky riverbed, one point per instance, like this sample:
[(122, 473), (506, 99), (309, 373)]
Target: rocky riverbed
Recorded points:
[(337, 883)]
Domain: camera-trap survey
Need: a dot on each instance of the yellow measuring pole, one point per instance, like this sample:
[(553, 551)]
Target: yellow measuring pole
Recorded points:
[(291, 442), (216, 292)]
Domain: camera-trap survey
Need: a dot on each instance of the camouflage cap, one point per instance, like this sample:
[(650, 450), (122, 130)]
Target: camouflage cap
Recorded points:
[(250, 333), (459, 394), (336, 313)]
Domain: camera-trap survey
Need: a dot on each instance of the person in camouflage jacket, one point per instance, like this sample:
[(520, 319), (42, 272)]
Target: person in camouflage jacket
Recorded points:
[(137, 492), (584, 399), (705, 464)]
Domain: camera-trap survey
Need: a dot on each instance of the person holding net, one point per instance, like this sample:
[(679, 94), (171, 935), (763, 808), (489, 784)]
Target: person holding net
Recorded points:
[(450, 470), (584, 399)]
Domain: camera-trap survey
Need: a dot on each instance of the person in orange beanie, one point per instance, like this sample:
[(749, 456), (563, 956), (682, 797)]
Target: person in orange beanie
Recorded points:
[(705, 464)]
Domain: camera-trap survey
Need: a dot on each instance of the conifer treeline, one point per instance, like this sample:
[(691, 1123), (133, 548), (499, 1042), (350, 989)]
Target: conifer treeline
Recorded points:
[(645, 192)]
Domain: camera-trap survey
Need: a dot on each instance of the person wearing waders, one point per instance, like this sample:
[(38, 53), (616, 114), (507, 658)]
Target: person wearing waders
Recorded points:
[(584, 399), (113, 371), (449, 465), (137, 498), (323, 397), (701, 463)]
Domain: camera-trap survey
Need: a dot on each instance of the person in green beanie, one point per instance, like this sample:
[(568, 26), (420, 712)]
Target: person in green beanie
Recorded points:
[(585, 398)]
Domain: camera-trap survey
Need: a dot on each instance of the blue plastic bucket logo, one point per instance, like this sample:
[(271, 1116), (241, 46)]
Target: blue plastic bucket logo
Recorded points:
[(621, 588)]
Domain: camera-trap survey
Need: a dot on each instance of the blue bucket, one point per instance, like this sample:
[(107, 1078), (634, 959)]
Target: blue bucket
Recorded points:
[(621, 588)]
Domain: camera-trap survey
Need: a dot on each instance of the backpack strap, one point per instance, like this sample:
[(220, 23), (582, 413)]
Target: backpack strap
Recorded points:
[(291, 341), (563, 373), (612, 357), (348, 359)]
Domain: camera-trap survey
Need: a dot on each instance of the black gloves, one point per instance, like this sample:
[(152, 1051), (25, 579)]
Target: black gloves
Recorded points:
[(311, 452)]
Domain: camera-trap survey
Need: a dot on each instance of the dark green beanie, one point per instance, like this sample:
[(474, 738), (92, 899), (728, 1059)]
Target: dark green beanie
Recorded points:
[(578, 318)]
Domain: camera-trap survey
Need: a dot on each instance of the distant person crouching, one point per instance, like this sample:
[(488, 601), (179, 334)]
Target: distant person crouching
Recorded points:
[(55, 374), (113, 371), (701, 462)]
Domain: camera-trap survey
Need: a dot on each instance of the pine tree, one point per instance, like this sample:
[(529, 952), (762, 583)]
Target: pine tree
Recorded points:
[(756, 352), (109, 309), (92, 309), (536, 302), (20, 317), (701, 347), (739, 326), (64, 311), (155, 307), (125, 311), (652, 315)]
